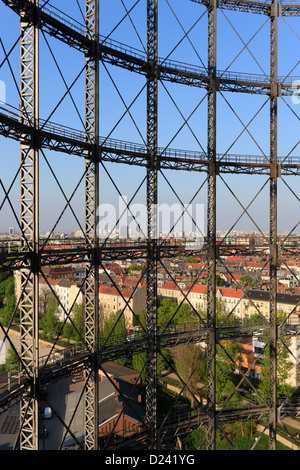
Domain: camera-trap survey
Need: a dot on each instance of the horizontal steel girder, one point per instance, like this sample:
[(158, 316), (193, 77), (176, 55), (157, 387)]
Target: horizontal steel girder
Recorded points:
[(77, 357), (56, 23), (71, 141)]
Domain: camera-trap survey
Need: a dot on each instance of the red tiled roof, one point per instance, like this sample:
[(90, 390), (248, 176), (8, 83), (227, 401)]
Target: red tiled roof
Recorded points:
[(198, 288), (169, 285), (227, 292), (111, 290)]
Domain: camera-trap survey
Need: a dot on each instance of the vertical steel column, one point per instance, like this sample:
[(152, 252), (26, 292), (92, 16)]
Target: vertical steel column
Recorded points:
[(273, 221), (211, 225), (91, 220), (29, 221), (152, 96)]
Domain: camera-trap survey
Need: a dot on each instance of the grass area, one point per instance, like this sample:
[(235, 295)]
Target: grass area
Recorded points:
[(245, 443), (193, 441), (165, 401), (282, 431)]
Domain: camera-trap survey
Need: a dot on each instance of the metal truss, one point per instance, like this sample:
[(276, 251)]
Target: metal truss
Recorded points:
[(91, 221), (262, 8), (73, 142), (29, 220), (273, 221), (152, 201), (211, 224), (55, 23), (35, 135)]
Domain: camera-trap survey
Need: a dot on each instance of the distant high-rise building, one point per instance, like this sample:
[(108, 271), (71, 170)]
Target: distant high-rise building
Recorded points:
[(11, 231)]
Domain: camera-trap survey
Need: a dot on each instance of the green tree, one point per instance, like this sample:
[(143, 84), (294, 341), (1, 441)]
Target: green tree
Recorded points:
[(78, 320), (69, 331), (50, 325), (11, 362), (246, 280), (226, 359), (12, 359), (220, 313), (139, 364), (8, 310), (195, 440), (284, 366), (6, 288), (75, 329), (140, 320), (9, 287), (135, 267), (115, 324), (8, 301), (220, 282), (191, 259), (49, 322), (187, 360), (3, 276), (166, 314), (169, 312), (53, 303)]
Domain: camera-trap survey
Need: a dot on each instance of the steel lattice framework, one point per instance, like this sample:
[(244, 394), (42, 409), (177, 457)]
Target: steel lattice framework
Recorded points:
[(35, 135)]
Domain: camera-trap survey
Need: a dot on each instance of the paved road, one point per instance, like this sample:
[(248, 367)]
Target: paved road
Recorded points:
[(63, 397), (292, 422), (9, 427), (14, 336)]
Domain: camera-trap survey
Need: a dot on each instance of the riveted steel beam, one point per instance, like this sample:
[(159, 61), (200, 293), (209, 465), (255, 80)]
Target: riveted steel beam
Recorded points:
[(211, 224), (91, 222), (151, 275), (273, 222), (29, 225)]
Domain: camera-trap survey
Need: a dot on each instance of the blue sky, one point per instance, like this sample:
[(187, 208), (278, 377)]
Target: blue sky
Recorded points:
[(175, 17)]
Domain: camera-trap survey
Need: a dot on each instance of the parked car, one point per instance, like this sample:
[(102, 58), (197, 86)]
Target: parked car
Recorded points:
[(77, 378)]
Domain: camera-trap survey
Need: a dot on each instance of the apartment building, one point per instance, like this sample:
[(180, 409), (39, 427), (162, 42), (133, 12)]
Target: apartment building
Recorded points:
[(171, 290), (259, 300), (242, 305), (197, 297), (112, 299), (229, 299), (66, 290)]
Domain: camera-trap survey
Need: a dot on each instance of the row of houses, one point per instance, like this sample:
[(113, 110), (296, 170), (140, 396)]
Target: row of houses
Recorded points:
[(129, 295), (241, 303)]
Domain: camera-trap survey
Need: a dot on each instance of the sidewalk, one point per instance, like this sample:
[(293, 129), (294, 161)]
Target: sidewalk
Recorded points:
[(292, 422)]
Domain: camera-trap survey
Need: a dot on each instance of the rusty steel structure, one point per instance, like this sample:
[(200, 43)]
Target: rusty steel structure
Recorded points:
[(36, 135)]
